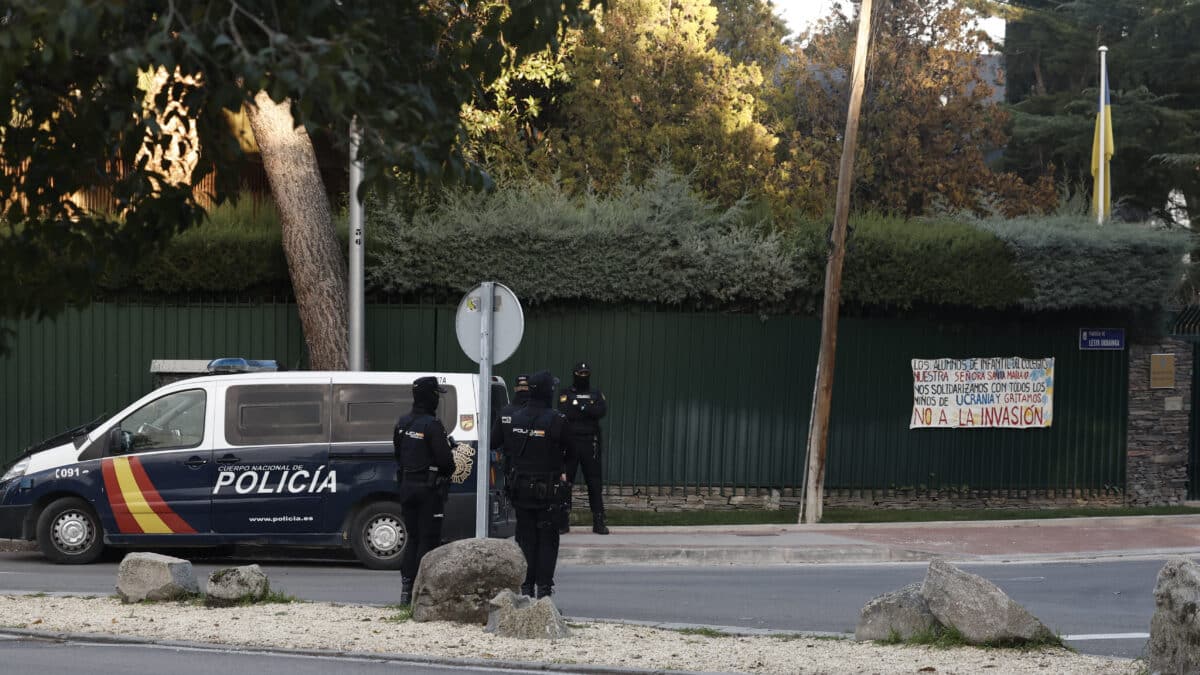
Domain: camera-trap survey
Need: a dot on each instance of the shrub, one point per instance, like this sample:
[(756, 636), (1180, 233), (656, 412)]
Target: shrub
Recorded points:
[(659, 243)]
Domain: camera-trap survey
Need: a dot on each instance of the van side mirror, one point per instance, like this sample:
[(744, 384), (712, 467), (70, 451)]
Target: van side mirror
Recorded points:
[(119, 440)]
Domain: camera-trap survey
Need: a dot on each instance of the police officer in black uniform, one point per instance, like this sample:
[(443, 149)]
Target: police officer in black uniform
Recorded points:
[(425, 466), (535, 467), (584, 407), (504, 417)]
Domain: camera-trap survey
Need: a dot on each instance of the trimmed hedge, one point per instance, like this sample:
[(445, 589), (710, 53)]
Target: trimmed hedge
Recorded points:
[(237, 249), (662, 243), (893, 263), (1073, 263), (659, 243)]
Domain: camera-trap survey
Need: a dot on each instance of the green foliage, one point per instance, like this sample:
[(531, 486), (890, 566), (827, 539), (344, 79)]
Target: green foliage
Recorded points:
[(662, 243), (949, 637), (896, 263), (1053, 77), (1073, 263), (647, 84), (665, 244), (71, 71), (751, 31), (659, 243), (403, 615), (704, 631), (237, 249), (927, 125)]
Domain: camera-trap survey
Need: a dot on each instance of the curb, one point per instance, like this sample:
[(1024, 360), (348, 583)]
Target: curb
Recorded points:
[(827, 555), (1088, 521), (737, 555), (399, 659)]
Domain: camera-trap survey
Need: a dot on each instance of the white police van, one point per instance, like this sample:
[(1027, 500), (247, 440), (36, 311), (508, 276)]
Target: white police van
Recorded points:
[(298, 458)]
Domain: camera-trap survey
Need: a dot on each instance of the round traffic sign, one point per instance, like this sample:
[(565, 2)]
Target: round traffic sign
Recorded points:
[(508, 322)]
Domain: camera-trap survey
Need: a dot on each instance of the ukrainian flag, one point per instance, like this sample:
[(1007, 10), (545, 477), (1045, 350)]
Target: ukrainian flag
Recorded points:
[(1102, 194)]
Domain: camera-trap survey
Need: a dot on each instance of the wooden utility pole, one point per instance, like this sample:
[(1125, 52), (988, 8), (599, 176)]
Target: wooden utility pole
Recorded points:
[(818, 425)]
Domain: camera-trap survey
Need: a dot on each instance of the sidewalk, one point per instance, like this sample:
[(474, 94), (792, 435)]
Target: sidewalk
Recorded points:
[(979, 541)]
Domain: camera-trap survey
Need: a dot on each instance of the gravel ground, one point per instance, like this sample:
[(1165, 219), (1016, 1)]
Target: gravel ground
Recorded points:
[(371, 629)]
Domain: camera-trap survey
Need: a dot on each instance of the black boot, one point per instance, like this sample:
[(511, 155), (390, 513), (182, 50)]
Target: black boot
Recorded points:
[(406, 586), (598, 525), (527, 590), (544, 591)]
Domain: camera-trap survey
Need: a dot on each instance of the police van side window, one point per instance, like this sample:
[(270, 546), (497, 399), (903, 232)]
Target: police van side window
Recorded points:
[(175, 421), (277, 414), (367, 413)]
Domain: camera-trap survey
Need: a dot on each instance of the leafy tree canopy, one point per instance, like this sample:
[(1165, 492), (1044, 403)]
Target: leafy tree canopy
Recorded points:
[(928, 123), (71, 72)]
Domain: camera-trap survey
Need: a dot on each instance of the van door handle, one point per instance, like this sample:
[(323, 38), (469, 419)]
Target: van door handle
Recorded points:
[(229, 459), (195, 462)]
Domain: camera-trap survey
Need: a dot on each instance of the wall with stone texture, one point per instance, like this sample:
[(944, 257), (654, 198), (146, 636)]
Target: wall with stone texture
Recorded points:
[(1158, 436), (656, 498)]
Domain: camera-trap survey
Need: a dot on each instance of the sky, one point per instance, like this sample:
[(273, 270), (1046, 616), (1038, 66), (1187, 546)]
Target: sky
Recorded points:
[(800, 13)]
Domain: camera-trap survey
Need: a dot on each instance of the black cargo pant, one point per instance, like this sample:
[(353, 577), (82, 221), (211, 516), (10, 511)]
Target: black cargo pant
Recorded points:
[(422, 509), (585, 453), (537, 535)]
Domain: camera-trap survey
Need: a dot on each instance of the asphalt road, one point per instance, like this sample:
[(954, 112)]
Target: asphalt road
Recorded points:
[(1074, 599), (53, 657)]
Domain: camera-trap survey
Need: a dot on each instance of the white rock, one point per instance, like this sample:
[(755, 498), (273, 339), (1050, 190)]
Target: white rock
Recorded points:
[(520, 616), (234, 585), (980, 611), (150, 576)]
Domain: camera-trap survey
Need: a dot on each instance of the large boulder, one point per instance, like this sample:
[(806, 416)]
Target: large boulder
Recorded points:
[(456, 581), (980, 611), (150, 576), (903, 614), (236, 585), (520, 616), (1175, 628)]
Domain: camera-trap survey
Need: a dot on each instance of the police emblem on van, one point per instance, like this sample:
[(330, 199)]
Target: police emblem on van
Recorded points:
[(464, 459)]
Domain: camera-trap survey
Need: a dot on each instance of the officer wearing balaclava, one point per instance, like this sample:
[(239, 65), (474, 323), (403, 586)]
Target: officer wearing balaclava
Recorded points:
[(504, 416), (535, 467), (584, 407), (426, 463)]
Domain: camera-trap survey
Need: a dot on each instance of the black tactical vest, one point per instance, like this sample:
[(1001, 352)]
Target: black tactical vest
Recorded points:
[(412, 446), (528, 445)]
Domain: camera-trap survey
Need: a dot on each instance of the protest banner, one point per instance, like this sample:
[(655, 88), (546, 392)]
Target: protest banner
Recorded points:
[(1010, 392)]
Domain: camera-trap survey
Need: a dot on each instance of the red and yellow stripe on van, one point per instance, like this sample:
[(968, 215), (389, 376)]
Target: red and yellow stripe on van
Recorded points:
[(135, 503)]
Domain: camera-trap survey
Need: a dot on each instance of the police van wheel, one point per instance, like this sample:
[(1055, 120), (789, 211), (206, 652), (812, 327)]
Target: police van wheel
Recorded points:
[(68, 532), (378, 536)]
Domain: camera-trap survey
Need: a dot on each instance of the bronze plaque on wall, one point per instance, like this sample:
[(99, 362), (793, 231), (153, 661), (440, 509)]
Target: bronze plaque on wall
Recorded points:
[(1162, 371)]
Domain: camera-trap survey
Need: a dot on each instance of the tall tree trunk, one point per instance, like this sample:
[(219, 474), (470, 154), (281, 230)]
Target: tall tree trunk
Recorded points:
[(315, 262)]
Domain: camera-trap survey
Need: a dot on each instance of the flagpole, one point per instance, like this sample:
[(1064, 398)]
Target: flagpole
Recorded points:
[(1101, 184)]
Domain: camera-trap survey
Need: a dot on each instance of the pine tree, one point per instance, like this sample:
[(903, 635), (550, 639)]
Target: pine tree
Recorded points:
[(1053, 74)]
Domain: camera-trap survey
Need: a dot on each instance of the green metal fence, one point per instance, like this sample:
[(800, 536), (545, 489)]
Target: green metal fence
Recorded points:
[(695, 399)]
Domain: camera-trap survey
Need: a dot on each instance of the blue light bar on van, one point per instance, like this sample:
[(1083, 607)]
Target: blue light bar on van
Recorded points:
[(240, 365)]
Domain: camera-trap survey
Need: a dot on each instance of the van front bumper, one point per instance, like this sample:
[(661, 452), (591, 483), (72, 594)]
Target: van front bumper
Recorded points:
[(12, 522)]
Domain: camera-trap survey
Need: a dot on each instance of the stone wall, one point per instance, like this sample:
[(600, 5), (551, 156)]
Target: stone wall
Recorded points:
[(1157, 436), (655, 498)]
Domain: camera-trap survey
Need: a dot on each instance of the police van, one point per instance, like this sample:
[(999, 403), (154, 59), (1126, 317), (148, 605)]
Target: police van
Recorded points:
[(269, 458)]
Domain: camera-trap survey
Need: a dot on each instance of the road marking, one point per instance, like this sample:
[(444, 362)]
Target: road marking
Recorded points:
[(1025, 579), (1107, 636)]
